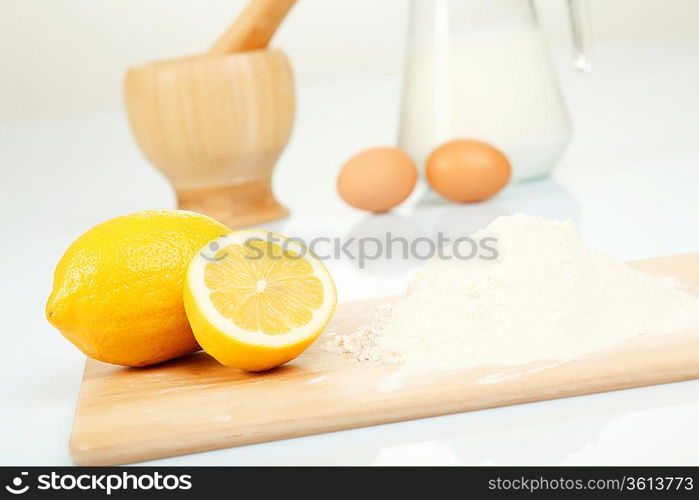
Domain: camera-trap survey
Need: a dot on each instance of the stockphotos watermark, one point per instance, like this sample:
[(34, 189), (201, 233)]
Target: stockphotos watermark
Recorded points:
[(104, 483), (364, 249)]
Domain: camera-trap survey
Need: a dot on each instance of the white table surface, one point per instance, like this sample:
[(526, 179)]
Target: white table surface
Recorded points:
[(630, 179)]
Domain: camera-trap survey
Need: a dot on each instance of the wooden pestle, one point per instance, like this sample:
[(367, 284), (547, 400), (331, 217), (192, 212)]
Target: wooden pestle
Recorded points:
[(254, 28)]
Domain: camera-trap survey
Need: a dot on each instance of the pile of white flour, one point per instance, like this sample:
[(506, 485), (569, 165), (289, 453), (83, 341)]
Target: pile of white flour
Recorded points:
[(545, 298)]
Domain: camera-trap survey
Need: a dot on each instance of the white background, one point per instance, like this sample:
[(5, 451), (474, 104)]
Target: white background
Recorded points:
[(69, 56), (67, 161)]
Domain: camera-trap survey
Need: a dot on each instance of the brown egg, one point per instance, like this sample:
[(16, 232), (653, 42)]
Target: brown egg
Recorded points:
[(465, 170), (377, 179)]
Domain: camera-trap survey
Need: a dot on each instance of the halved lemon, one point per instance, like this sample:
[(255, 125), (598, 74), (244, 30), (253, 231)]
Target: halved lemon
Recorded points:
[(256, 300)]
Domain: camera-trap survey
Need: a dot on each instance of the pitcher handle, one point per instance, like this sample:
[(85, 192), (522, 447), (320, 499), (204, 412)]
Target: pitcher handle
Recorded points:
[(579, 15)]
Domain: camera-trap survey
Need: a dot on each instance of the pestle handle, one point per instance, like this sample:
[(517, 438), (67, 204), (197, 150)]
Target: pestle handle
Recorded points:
[(254, 28)]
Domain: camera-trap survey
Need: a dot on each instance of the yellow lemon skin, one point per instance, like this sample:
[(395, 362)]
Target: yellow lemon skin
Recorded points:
[(232, 352), (260, 302), (117, 290)]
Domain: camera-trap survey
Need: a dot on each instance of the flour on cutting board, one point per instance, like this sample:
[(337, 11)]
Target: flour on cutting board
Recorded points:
[(545, 298)]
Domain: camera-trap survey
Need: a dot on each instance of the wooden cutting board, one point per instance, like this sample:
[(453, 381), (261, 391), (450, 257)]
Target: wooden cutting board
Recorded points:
[(194, 404)]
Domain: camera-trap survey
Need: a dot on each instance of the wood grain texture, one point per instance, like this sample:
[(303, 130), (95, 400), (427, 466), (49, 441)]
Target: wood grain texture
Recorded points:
[(215, 127), (194, 404), (255, 26)]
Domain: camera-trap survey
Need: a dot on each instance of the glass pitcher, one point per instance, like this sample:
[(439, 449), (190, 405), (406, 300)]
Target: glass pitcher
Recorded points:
[(480, 69)]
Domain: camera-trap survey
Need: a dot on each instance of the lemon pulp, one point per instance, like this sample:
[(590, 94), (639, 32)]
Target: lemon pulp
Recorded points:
[(260, 288), (259, 301)]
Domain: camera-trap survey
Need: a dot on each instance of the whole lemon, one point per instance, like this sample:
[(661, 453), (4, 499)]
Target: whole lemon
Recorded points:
[(117, 290)]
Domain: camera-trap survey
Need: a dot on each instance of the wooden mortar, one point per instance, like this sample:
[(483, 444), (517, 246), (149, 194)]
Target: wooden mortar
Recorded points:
[(216, 124)]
